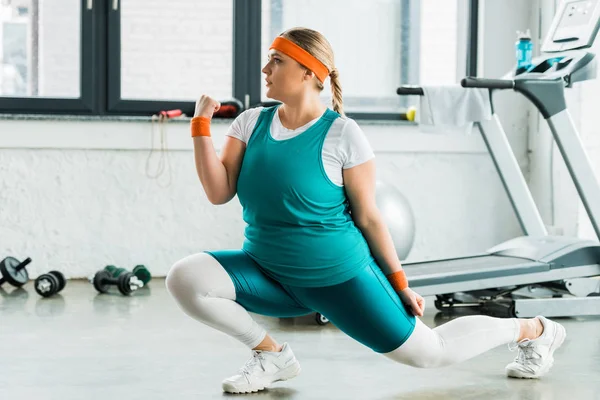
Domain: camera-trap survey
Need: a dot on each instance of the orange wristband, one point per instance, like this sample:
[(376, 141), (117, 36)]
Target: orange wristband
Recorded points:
[(398, 280), (200, 126)]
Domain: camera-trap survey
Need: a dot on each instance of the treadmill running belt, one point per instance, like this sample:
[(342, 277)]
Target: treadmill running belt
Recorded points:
[(467, 269)]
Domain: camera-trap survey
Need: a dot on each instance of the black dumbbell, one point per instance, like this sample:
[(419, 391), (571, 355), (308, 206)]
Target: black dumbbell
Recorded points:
[(127, 283), (49, 284), (14, 272), (321, 319), (140, 271)]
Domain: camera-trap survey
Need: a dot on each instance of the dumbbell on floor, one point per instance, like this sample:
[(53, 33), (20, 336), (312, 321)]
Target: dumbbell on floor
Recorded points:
[(49, 284), (14, 272), (127, 283), (140, 271), (321, 319), (114, 271)]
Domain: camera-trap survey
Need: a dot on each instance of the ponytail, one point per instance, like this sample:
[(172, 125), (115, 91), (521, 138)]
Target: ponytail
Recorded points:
[(336, 91)]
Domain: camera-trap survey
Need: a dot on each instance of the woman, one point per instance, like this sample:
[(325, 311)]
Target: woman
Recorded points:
[(298, 169)]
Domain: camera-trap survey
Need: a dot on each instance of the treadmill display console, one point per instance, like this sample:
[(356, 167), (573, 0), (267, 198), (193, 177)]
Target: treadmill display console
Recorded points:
[(575, 26)]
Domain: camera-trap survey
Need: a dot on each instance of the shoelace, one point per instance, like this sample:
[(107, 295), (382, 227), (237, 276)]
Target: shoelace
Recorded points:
[(257, 359), (527, 353)]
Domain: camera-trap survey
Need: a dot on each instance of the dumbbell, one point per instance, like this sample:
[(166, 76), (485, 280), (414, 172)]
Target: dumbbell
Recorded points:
[(140, 271), (114, 271), (14, 272), (321, 319), (49, 284), (127, 283)]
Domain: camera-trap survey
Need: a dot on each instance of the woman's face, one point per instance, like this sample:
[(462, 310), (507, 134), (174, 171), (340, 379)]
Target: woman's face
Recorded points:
[(285, 77)]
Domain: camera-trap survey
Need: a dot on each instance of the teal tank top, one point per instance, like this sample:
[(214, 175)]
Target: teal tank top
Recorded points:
[(299, 229)]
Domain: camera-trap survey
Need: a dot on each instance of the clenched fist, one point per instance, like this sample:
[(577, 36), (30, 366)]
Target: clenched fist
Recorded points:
[(206, 107), (414, 301)]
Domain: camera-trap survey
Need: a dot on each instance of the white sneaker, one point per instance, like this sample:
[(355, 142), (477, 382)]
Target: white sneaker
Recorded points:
[(264, 368), (535, 356)]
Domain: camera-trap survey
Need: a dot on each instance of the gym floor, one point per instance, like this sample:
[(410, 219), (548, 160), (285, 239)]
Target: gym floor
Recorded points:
[(80, 344)]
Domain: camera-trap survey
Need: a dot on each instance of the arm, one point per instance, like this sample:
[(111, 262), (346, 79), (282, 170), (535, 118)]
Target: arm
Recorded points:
[(360, 190), (218, 175)]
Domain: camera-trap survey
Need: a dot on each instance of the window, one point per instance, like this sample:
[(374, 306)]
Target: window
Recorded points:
[(176, 52), (369, 60), (378, 44), (443, 40), (138, 57), (40, 48), (15, 78)]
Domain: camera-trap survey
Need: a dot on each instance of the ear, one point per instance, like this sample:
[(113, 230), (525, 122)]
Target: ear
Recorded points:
[(308, 75)]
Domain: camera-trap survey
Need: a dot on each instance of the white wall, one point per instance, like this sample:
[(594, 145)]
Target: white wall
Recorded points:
[(499, 21), (589, 121), (529, 135), (540, 138), (74, 195), (550, 181), (584, 105)]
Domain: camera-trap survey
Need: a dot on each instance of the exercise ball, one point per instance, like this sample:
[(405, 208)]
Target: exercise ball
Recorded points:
[(398, 216)]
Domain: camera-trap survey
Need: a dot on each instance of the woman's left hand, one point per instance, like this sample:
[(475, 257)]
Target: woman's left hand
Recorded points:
[(413, 300)]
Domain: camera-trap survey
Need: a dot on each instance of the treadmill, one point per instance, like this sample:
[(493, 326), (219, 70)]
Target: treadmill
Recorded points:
[(535, 274)]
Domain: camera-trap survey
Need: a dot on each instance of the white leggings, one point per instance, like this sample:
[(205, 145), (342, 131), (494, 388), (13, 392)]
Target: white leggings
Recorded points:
[(204, 291)]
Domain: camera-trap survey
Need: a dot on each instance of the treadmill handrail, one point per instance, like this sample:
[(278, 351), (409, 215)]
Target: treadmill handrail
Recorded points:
[(484, 83), (410, 90), (468, 82)]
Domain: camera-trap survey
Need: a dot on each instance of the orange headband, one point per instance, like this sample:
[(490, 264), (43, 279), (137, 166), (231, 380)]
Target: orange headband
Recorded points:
[(302, 56)]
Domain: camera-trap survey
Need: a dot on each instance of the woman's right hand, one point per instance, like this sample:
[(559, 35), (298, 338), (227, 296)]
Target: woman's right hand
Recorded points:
[(413, 300), (206, 107)]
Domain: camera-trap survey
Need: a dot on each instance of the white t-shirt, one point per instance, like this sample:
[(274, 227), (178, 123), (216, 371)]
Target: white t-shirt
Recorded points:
[(345, 145)]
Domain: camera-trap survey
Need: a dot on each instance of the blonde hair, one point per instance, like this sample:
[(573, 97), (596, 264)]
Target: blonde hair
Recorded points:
[(316, 44)]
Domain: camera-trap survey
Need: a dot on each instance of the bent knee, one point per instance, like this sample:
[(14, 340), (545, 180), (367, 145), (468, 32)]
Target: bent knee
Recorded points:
[(176, 277), (201, 275)]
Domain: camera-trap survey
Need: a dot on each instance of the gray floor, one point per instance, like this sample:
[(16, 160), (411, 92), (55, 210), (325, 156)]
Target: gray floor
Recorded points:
[(81, 345)]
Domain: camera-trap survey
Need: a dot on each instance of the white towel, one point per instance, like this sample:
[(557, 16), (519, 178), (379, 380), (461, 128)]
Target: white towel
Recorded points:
[(453, 107)]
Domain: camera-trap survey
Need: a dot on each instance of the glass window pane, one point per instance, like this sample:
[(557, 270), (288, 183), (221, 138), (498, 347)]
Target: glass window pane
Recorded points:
[(441, 38), (367, 38), (40, 46), (176, 52)]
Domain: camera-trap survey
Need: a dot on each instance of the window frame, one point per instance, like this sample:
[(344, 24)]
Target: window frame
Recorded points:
[(100, 83)]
